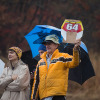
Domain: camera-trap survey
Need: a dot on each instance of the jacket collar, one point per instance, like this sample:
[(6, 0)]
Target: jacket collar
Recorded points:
[(43, 56), (17, 64)]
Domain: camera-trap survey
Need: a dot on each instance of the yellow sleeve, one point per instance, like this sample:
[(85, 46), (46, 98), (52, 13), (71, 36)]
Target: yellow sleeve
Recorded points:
[(74, 60), (34, 93)]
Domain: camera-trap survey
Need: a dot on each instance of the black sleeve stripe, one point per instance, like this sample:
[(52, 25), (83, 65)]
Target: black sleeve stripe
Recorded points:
[(42, 63), (37, 83), (62, 59)]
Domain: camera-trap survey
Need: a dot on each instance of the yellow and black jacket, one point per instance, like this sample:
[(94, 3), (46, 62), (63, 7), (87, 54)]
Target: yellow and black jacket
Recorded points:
[(53, 81)]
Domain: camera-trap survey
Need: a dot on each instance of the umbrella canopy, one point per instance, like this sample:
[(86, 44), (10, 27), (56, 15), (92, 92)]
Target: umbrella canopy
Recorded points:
[(2, 64), (38, 34), (85, 69), (31, 62)]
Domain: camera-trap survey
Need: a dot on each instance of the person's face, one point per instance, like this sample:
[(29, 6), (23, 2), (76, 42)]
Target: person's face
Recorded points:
[(51, 47), (41, 52), (12, 56)]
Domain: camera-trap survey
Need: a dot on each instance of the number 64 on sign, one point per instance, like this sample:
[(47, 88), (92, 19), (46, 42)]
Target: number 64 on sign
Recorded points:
[(71, 30)]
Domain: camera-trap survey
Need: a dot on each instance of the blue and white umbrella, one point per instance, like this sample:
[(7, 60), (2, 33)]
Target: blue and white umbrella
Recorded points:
[(38, 34)]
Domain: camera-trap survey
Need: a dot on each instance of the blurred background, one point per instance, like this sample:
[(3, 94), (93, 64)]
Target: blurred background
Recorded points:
[(18, 17)]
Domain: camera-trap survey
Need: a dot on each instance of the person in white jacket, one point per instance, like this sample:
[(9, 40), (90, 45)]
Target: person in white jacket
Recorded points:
[(2, 64), (15, 79)]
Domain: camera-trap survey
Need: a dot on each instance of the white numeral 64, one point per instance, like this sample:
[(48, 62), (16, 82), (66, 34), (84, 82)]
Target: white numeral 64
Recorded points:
[(70, 27)]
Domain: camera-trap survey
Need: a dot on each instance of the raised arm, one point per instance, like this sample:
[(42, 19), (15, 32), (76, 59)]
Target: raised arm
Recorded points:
[(74, 60)]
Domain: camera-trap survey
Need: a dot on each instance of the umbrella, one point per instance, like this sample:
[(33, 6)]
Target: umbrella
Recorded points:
[(38, 34), (31, 62), (85, 69), (2, 64)]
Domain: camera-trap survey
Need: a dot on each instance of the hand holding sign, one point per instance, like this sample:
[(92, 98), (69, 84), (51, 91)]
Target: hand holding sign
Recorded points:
[(71, 30), (77, 44)]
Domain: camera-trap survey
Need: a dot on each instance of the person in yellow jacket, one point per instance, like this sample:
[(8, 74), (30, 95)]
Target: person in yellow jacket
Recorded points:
[(51, 75)]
